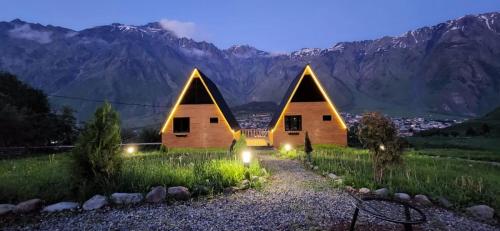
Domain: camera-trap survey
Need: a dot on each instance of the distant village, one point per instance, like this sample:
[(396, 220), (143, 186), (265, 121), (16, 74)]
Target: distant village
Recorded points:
[(406, 126)]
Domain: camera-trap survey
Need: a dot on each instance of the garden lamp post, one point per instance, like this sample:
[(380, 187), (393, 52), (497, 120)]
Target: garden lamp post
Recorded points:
[(246, 156)]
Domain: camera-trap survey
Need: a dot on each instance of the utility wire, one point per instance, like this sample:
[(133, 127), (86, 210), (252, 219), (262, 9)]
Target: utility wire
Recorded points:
[(109, 101)]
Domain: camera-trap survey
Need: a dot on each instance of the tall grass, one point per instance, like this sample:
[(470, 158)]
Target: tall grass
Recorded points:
[(50, 177), (462, 182)]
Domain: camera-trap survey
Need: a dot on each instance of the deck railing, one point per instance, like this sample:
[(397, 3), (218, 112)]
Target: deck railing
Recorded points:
[(255, 132)]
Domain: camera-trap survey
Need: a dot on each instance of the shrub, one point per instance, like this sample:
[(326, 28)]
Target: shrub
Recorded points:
[(379, 135), (308, 147), (97, 152), (239, 145)]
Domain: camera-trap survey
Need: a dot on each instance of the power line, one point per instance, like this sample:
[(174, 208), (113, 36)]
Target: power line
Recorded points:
[(109, 101)]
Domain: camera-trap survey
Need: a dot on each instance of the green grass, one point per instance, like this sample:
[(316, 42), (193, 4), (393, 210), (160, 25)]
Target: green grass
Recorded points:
[(463, 182), (470, 143), (50, 177), (482, 155)]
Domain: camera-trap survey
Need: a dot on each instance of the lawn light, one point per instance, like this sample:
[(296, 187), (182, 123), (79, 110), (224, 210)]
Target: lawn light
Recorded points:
[(288, 147), (382, 147), (246, 156), (131, 149)]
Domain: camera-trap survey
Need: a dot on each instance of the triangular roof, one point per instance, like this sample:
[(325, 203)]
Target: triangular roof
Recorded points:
[(215, 95), (307, 71)]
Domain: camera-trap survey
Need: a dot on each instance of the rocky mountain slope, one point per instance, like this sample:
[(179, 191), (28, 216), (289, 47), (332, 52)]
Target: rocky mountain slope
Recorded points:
[(451, 68)]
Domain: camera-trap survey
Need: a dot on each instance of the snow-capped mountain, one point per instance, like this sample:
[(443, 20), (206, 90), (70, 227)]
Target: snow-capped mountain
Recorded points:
[(449, 68)]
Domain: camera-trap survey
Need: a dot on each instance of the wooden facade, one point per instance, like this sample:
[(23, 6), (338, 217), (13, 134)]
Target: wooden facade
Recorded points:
[(200, 118), (306, 107)]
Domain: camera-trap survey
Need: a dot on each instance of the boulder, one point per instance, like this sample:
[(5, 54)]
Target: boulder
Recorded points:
[(382, 192), (333, 176), (61, 206), (364, 190), (444, 202), (156, 195), (96, 202), (178, 193), (481, 212), (6, 208), (402, 196), (315, 168), (350, 188), (126, 198), (422, 199), (28, 206)]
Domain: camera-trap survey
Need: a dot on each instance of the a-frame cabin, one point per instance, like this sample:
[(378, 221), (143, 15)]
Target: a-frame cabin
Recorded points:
[(200, 117), (307, 107)]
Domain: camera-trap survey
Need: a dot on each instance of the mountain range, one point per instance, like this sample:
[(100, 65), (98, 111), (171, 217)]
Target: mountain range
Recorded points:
[(449, 69)]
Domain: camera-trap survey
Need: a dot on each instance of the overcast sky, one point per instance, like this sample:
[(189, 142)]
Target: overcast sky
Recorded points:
[(276, 26)]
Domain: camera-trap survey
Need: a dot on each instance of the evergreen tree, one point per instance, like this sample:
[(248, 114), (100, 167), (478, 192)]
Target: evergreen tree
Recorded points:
[(308, 147), (97, 152)]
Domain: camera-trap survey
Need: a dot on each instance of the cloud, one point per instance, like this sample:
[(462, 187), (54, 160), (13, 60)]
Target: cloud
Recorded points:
[(25, 32), (183, 29)]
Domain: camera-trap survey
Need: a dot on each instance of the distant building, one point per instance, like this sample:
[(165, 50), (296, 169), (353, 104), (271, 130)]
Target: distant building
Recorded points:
[(306, 107), (200, 118)]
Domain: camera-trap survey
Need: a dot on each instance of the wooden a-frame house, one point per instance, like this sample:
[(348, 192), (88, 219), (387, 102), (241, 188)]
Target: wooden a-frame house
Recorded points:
[(307, 107), (200, 117)]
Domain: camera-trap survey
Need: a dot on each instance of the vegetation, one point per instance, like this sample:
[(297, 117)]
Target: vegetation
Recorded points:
[(481, 155), (26, 119), (50, 178), (238, 146), (379, 135), (97, 153), (463, 182), (308, 148)]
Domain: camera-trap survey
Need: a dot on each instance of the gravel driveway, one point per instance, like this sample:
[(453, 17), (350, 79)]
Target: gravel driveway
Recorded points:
[(293, 198)]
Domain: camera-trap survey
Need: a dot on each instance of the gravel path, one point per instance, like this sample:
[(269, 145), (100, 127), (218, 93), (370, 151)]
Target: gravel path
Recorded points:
[(293, 199)]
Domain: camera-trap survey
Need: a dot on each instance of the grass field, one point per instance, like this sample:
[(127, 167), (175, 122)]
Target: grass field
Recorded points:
[(463, 182), (50, 178), (482, 155), (469, 143)]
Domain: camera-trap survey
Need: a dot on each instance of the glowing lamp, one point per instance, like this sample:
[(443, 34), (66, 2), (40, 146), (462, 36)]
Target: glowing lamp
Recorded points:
[(382, 147), (130, 149), (288, 147), (246, 156)]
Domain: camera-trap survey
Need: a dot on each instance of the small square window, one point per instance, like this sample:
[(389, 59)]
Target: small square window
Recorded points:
[(327, 117), (214, 120), (181, 125), (293, 123)]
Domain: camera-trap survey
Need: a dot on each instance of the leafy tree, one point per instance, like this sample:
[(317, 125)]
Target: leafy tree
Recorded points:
[(470, 131), (97, 152), (308, 147), (352, 136), (379, 135), (485, 129)]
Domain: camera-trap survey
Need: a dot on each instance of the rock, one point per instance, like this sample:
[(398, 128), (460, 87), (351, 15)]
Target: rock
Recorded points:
[(383, 192), (444, 202), (315, 168), (339, 181), (332, 176), (28, 206), (245, 184), (422, 199), (482, 212), (156, 195), (96, 202), (230, 190), (178, 193), (61, 206), (402, 196), (350, 188), (364, 190), (262, 180), (6, 208), (126, 198)]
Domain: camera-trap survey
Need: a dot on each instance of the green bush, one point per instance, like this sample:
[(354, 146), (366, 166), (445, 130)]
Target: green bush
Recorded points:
[(240, 145), (97, 153)]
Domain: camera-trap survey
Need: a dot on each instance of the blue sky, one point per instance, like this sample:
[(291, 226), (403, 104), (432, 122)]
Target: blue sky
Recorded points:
[(277, 26)]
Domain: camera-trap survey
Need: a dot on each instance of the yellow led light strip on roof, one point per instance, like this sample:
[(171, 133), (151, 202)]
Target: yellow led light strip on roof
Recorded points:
[(309, 71), (194, 74)]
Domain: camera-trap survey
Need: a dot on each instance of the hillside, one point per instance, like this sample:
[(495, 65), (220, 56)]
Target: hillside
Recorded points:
[(450, 69), (487, 125)]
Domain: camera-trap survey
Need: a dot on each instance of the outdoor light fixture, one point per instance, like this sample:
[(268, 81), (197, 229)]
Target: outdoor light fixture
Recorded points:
[(288, 147), (130, 149), (382, 147), (246, 155)]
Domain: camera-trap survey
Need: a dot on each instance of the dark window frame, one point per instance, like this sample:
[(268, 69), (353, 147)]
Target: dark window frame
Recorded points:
[(327, 117), (214, 120), (289, 120), (184, 127)]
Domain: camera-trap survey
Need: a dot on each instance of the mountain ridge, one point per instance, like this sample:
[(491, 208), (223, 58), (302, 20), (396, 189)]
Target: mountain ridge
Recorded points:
[(448, 68)]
